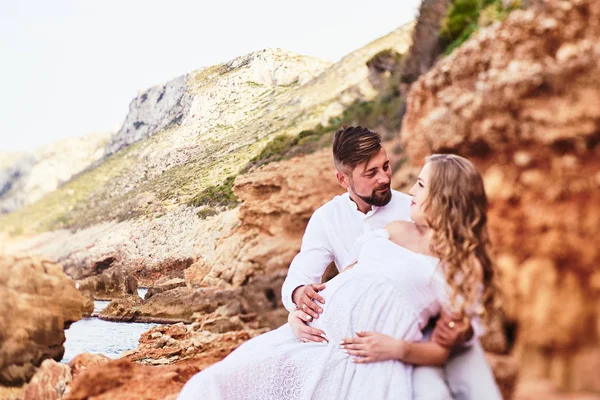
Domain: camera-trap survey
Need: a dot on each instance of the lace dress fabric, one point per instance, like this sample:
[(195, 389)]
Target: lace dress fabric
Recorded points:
[(391, 290)]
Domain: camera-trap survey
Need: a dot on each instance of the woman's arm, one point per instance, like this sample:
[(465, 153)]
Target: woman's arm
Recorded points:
[(422, 353), (369, 347)]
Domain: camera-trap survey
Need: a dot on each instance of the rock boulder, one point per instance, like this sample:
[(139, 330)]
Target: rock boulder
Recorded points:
[(37, 303)]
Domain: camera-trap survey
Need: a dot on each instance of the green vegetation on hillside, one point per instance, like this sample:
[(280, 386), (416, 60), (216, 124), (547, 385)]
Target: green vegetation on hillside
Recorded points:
[(216, 195), (467, 16), (382, 111)]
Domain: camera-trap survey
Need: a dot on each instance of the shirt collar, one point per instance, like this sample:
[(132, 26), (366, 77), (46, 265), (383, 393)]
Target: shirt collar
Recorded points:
[(354, 207)]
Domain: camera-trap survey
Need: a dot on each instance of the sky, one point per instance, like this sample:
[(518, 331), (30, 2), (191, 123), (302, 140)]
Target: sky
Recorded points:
[(71, 68)]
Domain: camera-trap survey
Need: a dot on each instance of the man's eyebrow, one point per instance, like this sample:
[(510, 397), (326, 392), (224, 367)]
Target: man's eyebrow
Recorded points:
[(374, 168)]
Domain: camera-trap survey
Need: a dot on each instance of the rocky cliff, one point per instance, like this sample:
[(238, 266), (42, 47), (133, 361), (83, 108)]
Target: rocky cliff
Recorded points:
[(184, 136), (124, 211), (521, 100), (27, 177)]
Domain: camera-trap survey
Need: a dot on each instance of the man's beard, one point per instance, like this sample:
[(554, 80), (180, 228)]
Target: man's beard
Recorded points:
[(377, 199)]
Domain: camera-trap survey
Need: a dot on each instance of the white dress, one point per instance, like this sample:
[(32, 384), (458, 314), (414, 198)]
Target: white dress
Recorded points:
[(391, 290)]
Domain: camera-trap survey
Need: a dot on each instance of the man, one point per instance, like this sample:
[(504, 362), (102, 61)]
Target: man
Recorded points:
[(363, 169)]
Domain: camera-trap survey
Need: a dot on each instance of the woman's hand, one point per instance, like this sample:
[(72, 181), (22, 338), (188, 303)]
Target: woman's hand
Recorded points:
[(298, 321), (368, 347), (452, 329)]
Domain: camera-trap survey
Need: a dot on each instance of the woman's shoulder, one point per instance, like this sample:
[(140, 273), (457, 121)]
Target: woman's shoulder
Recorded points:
[(400, 228)]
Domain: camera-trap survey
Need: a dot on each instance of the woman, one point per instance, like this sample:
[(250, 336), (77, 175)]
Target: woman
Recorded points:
[(403, 276)]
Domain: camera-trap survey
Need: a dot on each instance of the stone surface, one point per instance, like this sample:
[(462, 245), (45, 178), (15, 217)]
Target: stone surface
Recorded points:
[(260, 300), (277, 202), (521, 99), (81, 362), (50, 382), (88, 303), (122, 309), (110, 284), (167, 367), (152, 110), (37, 302), (544, 389), (169, 344), (165, 285), (12, 393), (506, 371)]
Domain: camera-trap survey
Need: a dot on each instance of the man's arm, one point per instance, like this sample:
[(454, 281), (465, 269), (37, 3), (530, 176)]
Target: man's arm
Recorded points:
[(310, 264)]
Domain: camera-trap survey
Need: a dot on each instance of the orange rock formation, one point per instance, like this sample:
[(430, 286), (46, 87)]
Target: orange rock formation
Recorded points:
[(522, 100)]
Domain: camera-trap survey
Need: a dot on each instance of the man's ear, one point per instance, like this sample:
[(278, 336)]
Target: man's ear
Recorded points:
[(342, 179)]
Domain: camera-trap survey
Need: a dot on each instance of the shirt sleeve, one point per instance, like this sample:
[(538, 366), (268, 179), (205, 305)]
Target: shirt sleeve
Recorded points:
[(310, 264)]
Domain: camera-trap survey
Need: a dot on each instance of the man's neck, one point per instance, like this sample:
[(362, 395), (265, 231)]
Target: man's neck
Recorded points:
[(362, 206)]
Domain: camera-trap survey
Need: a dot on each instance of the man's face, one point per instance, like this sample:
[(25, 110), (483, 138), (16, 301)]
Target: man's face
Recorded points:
[(370, 181)]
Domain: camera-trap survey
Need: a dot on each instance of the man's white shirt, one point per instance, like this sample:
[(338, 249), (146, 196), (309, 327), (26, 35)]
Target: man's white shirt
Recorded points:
[(331, 234)]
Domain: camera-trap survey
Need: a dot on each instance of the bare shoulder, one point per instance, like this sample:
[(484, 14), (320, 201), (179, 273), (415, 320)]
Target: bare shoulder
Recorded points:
[(400, 231), (401, 226)]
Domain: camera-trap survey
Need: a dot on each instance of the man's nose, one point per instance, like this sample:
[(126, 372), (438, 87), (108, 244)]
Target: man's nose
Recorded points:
[(383, 179)]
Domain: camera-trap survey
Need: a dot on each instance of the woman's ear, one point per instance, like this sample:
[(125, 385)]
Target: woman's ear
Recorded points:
[(342, 179)]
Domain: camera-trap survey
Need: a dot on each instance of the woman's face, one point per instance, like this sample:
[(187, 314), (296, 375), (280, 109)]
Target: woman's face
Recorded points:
[(419, 192)]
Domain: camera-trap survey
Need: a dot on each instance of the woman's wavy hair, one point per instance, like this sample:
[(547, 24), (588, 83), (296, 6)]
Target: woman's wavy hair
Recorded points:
[(456, 209)]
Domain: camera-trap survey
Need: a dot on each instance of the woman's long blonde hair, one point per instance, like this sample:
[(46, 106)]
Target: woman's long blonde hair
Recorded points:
[(456, 208)]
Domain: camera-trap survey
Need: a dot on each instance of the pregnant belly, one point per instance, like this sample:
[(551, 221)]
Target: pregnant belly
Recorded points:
[(359, 301)]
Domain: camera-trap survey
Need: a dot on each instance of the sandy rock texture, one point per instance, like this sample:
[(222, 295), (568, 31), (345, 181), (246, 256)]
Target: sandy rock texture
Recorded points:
[(522, 100), (166, 358), (37, 303), (259, 299), (50, 382), (277, 202), (110, 284)]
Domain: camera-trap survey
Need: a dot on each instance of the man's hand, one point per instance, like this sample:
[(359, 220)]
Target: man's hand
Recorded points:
[(304, 297), (368, 347), (451, 330), (297, 320)]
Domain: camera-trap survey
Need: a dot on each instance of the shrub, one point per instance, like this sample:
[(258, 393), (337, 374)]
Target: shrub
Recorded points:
[(275, 148), (206, 212), (217, 196), (466, 16)]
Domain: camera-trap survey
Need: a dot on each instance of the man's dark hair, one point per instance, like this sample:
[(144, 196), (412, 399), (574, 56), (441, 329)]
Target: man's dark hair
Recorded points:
[(353, 145)]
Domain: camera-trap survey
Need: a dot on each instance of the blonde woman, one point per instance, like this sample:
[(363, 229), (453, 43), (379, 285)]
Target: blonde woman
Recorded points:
[(404, 275)]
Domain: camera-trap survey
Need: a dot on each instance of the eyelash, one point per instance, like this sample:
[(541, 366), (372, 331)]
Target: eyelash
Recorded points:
[(420, 184)]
